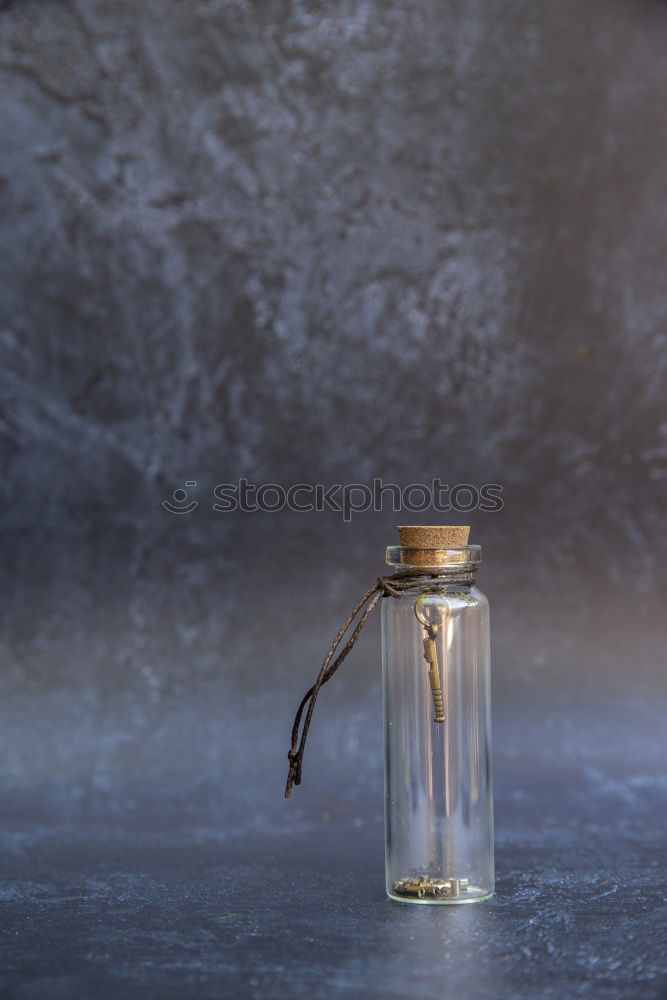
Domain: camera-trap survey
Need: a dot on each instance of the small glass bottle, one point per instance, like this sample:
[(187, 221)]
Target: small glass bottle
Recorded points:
[(437, 720)]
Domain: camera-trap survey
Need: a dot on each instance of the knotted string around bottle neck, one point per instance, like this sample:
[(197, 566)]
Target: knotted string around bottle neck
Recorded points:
[(386, 586)]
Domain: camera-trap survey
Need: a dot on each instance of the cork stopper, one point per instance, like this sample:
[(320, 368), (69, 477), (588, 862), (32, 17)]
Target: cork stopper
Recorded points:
[(433, 536), (427, 545)]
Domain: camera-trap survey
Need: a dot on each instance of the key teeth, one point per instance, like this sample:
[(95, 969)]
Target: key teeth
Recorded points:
[(439, 707)]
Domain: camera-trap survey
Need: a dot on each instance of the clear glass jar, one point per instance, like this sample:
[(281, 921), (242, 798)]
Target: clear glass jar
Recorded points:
[(438, 791)]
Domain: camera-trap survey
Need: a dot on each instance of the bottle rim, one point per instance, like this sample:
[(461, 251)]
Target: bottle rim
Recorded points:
[(458, 557)]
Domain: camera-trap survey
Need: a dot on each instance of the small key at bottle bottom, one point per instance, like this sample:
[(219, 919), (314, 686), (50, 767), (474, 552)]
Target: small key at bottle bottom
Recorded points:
[(437, 889)]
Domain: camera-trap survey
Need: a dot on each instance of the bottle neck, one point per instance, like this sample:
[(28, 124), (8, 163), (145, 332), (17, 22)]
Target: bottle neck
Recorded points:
[(454, 565), (438, 576)]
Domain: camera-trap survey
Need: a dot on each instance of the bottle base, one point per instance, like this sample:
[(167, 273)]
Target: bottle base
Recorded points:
[(446, 891)]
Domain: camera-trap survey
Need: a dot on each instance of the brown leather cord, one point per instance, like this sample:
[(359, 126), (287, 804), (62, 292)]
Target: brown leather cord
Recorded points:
[(386, 586)]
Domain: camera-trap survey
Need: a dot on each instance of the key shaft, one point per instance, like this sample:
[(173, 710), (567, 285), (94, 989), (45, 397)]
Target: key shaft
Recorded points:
[(431, 657)]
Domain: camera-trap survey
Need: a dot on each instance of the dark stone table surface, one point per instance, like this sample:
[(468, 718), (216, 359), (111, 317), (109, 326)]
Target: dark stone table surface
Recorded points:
[(296, 909)]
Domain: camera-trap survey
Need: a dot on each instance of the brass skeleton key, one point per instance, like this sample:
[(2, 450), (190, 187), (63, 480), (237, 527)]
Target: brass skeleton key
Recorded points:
[(431, 657), (431, 652)]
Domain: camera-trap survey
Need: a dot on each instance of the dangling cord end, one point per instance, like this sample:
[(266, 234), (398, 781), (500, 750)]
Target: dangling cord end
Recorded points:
[(293, 777)]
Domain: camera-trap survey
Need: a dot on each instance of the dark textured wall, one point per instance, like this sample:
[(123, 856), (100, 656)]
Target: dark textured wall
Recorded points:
[(324, 242)]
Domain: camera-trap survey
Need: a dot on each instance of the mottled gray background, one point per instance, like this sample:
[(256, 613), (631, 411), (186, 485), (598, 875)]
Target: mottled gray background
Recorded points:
[(308, 242)]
